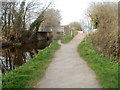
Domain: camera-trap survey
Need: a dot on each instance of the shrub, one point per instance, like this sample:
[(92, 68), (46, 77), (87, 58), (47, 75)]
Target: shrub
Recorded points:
[(104, 16)]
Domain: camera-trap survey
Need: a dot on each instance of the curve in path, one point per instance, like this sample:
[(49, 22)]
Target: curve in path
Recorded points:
[(68, 70)]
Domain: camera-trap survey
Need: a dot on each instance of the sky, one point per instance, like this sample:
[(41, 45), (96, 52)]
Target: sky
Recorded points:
[(74, 10), (71, 10)]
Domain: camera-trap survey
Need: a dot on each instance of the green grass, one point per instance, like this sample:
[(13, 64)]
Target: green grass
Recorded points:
[(68, 37), (105, 68), (27, 75), (0, 80)]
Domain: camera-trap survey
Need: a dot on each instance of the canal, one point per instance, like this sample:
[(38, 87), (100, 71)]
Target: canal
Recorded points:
[(15, 56)]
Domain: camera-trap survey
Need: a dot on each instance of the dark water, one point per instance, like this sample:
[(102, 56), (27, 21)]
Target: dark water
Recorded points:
[(16, 56)]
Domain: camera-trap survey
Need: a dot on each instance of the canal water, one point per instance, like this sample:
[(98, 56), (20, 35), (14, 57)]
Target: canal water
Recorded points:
[(15, 56)]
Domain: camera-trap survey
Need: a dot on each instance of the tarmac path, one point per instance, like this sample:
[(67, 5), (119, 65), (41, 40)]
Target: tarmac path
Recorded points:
[(68, 69)]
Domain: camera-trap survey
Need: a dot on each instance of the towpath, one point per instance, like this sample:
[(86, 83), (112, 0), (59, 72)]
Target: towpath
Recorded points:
[(68, 69)]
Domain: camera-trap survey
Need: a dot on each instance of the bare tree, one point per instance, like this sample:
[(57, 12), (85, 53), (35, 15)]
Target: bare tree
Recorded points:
[(36, 23), (52, 20), (15, 17)]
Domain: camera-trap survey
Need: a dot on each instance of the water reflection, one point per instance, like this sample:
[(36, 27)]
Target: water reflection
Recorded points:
[(15, 56)]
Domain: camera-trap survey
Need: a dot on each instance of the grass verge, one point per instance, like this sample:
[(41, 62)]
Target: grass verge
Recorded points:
[(105, 68), (27, 75), (0, 80), (68, 37)]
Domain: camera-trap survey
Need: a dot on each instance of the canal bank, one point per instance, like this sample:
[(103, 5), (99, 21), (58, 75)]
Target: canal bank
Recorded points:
[(27, 75), (15, 56)]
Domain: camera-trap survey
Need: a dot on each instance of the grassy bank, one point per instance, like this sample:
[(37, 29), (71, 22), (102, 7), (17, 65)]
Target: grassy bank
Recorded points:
[(27, 75), (68, 37), (0, 80), (105, 68)]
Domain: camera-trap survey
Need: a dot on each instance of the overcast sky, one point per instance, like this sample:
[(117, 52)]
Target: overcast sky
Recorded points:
[(74, 10)]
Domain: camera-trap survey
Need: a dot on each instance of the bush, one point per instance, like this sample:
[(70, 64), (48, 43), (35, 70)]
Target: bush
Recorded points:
[(104, 16)]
